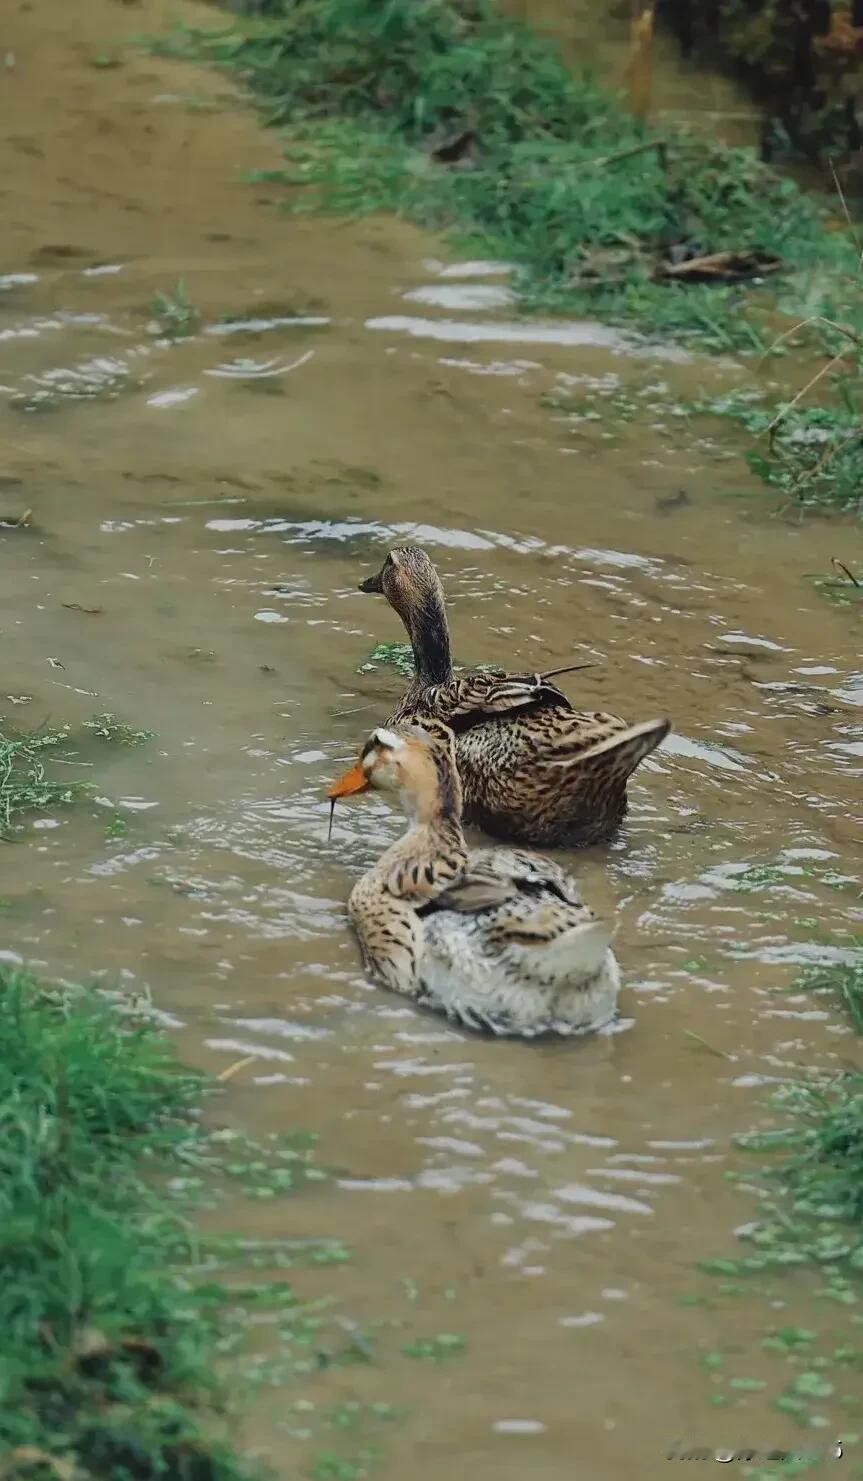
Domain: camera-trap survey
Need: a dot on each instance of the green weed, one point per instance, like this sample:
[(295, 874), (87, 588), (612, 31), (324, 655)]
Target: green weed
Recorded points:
[(843, 589), (109, 728), (398, 656), (25, 786), (811, 454), (25, 756), (812, 1220), (174, 312), (843, 983)]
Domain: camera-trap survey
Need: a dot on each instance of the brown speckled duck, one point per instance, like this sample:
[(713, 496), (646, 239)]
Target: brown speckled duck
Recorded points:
[(533, 769), (497, 939)]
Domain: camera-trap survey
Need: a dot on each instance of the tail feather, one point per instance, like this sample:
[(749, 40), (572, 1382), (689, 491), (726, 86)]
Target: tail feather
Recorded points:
[(619, 752), (580, 952)]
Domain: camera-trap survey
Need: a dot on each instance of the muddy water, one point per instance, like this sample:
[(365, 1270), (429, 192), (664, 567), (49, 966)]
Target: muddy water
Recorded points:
[(218, 497)]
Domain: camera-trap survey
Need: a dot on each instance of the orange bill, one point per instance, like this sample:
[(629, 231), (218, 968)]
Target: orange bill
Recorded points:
[(354, 780)]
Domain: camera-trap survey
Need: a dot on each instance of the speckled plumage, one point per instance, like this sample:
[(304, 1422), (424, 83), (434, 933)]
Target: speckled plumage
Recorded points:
[(495, 939), (533, 769)]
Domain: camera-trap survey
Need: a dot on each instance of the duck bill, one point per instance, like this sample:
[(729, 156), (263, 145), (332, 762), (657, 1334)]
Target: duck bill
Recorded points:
[(354, 780), (373, 584)]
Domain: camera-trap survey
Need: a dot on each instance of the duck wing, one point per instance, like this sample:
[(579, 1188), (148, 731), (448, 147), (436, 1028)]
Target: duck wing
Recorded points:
[(488, 694), (496, 877)]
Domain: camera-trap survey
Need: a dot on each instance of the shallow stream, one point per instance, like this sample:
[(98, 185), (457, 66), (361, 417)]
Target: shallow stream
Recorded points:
[(217, 496)]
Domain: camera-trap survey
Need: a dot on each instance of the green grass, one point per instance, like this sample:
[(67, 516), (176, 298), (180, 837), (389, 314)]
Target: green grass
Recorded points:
[(811, 1223), (106, 1350), (843, 984), (817, 1156), (559, 178)]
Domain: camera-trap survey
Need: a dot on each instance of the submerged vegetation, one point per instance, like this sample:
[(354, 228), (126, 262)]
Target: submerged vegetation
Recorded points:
[(174, 313), (24, 783), (26, 757), (105, 1345)]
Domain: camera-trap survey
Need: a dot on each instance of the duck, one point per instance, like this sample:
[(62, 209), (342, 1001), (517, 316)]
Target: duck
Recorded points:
[(496, 939), (533, 768)]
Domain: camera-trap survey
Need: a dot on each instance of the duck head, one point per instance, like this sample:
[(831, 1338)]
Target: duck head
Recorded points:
[(416, 761), (412, 587)]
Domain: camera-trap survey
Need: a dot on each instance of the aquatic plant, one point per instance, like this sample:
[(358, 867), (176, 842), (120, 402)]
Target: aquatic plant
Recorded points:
[(175, 314), (809, 451), (25, 785), (109, 728), (843, 983), (398, 656), (811, 1220)]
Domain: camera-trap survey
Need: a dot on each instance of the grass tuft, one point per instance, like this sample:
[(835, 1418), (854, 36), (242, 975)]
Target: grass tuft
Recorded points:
[(105, 1364), (844, 984)]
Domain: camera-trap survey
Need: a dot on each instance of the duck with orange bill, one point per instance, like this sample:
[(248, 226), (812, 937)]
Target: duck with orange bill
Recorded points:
[(496, 939)]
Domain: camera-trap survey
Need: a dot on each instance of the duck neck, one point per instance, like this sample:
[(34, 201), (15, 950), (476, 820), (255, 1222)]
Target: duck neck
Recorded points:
[(434, 801), (429, 635), (432, 853)]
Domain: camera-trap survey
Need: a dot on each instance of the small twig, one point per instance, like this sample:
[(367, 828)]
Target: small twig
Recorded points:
[(813, 319), (841, 566), (570, 668), (781, 415), (234, 1069), (841, 194), (660, 145), (711, 1048)]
